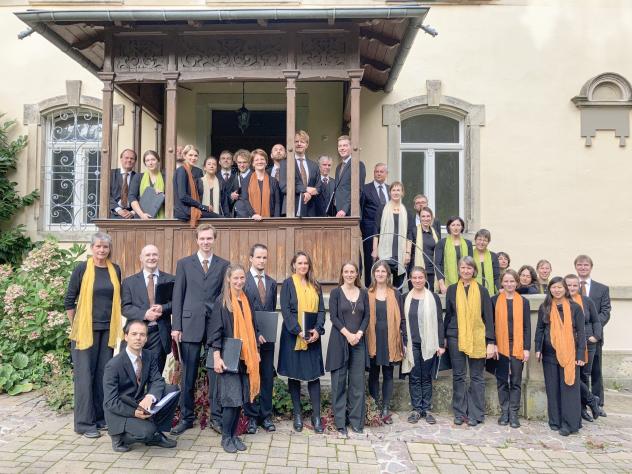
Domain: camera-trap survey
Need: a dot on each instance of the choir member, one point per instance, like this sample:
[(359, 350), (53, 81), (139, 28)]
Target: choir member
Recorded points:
[(527, 281), (503, 261), (425, 238), (543, 270), (187, 200), (213, 192), (259, 195), (151, 178), (449, 251), (488, 270)]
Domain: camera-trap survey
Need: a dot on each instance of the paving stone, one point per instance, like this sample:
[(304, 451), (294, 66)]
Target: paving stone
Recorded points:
[(163, 464), (322, 451)]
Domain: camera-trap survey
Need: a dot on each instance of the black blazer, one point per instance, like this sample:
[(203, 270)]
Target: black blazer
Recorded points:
[(343, 191), (194, 294), (600, 295), (450, 322), (116, 186), (543, 333), (289, 310), (270, 303), (309, 209), (243, 208), (526, 321), (440, 328), (119, 380), (322, 199), (182, 200), (338, 346), (439, 252), (136, 303), (221, 324), (370, 204), (234, 185), (592, 324), (223, 209), (134, 187)]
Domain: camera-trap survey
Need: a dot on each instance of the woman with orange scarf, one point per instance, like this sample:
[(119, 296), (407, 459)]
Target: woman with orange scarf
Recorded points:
[(385, 334), (512, 325), (187, 202), (594, 333), (560, 343), (233, 317), (260, 196)]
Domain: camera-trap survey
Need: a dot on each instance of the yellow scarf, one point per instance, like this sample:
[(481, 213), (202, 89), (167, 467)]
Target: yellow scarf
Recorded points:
[(450, 265), (489, 271), (419, 245), (307, 298), (469, 318), (243, 328), (81, 331), (159, 185)]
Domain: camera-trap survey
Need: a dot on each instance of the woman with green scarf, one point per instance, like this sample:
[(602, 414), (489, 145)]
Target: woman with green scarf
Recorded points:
[(153, 178), (486, 262), (449, 251)]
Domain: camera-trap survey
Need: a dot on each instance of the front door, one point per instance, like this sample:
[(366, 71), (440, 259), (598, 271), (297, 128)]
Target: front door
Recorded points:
[(266, 129)]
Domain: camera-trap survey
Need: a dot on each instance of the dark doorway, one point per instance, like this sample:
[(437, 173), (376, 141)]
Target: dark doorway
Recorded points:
[(266, 129)]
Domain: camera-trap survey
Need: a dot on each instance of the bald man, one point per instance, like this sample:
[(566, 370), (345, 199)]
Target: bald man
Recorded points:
[(138, 298)]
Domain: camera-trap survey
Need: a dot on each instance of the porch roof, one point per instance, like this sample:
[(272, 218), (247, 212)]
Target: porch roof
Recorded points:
[(385, 36)]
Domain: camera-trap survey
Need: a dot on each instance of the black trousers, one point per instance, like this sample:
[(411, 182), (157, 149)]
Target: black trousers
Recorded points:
[(387, 382), (88, 369), (261, 408), (213, 397), (313, 387), (143, 431), (367, 260), (190, 363), (347, 389), (563, 401), (584, 375), (468, 403), (420, 381), (230, 421), (596, 377), (510, 391)]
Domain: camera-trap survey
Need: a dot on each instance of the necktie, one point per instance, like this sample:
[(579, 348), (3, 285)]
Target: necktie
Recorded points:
[(124, 191), (205, 265), (582, 285), (139, 369), (382, 194), (150, 289), (262, 289), (303, 170), (226, 176), (326, 180)]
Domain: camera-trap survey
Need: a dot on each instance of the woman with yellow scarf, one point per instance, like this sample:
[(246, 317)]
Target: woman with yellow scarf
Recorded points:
[(488, 269), (151, 178), (300, 352), (93, 306), (560, 343), (449, 252), (469, 330), (233, 317)]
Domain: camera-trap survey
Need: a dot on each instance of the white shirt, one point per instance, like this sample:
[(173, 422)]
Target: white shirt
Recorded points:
[(145, 275), (134, 358), (202, 258), (306, 168), (255, 274), (274, 172)]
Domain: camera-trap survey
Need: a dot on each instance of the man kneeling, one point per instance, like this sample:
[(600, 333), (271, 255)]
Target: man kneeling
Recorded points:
[(132, 383)]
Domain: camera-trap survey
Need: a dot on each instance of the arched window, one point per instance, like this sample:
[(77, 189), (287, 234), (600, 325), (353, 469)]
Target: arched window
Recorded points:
[(71, 169), (432, 161)]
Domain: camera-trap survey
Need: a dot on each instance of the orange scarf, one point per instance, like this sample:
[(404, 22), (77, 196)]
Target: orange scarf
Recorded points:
[(243, 328), (577, 298), (260, 201), (562, 340), (502, 326), (195, 212), (395, 346)]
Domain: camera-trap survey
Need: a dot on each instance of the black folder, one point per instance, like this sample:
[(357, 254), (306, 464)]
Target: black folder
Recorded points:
[(164, 292), (231, 351), (309, 323), (498, 367), (267, 323), (442, 363), (151, 202)]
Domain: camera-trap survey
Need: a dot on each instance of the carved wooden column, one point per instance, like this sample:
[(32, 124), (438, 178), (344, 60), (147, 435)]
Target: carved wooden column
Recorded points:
[(354, 90), (106, 144), (170, 139), (290, 88), (138, 133)]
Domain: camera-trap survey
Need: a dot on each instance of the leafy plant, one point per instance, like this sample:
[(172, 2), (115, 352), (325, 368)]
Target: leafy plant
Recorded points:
[(13, 376), (59, 391), (13, 242)]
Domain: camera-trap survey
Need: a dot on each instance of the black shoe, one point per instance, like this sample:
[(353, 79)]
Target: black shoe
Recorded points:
[(602, 413), (564, 432), (503, 420), (92, 434), (181, 427), (239, 444), (554, 428), (430, 419), (472, 422), (586, 416), (358, 430), (102, 427), (228, 445), (514, 422), (414, 417), (594, 407), (343, 431), (386, 416), (268, 425), (162, 441), (458, 420), (118, 445), (252, 426), (298, 423), (318, 425), (215, 426)]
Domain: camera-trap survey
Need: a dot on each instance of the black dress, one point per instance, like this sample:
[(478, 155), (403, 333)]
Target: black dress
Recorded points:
[(381, 334)]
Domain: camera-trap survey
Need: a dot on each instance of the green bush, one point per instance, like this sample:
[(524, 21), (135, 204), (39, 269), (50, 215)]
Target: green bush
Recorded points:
[(59, 391)]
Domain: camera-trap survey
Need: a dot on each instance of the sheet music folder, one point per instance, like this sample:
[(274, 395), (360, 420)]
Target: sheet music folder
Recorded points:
[(151, 202), (267, 323)]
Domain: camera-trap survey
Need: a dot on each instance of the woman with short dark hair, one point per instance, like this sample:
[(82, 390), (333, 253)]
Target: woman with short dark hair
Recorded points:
[(527, 279), (449, 251), (503, 261), (260, 196), (488, 270)]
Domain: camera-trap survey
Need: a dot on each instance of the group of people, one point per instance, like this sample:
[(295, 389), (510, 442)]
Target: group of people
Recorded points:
[(374, 330), (246, 184)]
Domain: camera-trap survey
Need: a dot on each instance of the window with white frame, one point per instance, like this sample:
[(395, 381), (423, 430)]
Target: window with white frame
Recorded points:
[(71, 169), (432, 162)]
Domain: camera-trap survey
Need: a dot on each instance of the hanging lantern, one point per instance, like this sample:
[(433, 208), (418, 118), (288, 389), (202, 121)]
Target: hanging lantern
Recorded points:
[(243, 114)]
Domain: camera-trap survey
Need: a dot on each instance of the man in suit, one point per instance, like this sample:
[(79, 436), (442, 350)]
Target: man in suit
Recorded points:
[(132, 383), (243, 160), (343, 178), (327, 186), (261, 289), (225, 172), (199, 280), (306, 181), (138, 296), (120, 179), (600, 295), (278, 156), (374, 197)]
